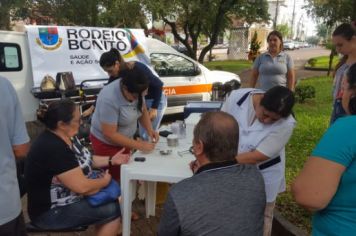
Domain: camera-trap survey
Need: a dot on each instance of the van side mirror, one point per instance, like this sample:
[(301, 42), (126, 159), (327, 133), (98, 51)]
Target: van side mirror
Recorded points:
[(197, 70)]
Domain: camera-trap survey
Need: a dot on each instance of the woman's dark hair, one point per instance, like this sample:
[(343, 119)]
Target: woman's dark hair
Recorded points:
[(345, 30), (278, 35), (136, 82), (57, 111), (340, 63), (109, 58), (351, 79), (279, 100)]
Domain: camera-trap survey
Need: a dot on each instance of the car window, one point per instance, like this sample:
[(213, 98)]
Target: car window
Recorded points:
[(166, 64), (10, 57)]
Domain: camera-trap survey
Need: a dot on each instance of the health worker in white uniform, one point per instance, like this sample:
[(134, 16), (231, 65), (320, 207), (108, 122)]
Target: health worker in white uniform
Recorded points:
[(266, 124)]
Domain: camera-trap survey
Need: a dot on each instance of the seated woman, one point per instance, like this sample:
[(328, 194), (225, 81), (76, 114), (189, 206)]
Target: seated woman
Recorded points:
[(56, 173), (327, 183), (266, 124)]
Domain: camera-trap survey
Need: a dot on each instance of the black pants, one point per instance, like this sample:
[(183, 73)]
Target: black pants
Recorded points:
[(16, 227)]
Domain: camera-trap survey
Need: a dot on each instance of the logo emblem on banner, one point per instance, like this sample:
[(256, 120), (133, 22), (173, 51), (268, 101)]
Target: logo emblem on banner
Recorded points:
[(49, 38)]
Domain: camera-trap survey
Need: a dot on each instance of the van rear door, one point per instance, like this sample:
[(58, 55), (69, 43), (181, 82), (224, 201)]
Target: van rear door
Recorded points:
[(15, 66)]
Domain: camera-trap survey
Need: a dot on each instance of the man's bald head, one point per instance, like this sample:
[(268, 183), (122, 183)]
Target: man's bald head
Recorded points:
[(219, 132)]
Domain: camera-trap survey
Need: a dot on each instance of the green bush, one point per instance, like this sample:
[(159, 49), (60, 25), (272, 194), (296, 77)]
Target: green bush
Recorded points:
[(321, 62), (303, 92), (312, 62)]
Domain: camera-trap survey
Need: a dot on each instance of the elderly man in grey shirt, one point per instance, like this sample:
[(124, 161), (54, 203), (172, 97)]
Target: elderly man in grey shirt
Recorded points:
[(222, 197)]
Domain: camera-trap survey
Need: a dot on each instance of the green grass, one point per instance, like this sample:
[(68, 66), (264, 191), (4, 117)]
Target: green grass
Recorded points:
[(312, 121), (234, 66), (322, 62)]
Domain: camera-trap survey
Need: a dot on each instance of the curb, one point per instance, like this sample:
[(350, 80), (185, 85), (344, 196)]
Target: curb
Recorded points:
[(315, 68), (282, 227)]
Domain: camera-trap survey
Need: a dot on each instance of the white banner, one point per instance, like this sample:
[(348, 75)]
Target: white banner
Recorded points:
[(56, 49)]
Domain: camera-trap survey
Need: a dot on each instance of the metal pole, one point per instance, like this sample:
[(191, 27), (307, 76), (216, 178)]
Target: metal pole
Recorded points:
[(293, 16), (276, 15)]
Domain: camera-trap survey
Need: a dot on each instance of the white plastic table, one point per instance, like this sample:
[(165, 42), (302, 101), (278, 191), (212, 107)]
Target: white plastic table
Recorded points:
[(157, 168)]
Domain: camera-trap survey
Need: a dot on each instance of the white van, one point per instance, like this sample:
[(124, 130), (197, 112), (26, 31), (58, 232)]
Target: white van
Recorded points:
[(184, 79)]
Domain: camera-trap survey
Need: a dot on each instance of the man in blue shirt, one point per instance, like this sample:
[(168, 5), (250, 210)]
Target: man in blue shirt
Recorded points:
[(13, 145)]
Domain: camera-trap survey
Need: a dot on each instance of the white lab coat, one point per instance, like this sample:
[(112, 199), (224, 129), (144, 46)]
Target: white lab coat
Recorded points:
[(252, 135)]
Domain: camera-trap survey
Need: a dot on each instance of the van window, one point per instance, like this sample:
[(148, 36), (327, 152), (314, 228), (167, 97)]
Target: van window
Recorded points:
[(10, 57), (166, 64)]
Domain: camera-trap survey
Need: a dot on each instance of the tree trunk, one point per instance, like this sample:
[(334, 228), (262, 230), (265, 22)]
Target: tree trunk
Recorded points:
[(184, 41)]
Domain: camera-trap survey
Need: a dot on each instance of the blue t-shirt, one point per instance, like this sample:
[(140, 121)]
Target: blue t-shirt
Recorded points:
[(339, 145)]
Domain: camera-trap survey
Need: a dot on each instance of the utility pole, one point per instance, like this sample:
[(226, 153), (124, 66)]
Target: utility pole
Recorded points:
[(299, 27), (293, 16), (276, 15)]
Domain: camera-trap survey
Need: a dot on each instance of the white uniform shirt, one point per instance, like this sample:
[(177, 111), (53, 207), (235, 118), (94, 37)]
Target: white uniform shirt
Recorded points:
[(268, 139)]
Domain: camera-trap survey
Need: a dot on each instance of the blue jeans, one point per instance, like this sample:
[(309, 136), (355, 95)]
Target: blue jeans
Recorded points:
[(337, 112), (157, 121), (77, 214)]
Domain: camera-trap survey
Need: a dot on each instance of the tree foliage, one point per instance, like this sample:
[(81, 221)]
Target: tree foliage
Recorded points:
[(284, 29), (106, 13), (313, 40), (193, 18), (9, 10), (209, 17), (322, 31), (123, 13), (332, 11)]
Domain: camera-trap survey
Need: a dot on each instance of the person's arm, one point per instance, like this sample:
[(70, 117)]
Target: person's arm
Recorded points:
[(290, 73), (255, 73), (146, 123), (252, 157), (291, 79), (110, 133), (19, 139), (317, 183), (254, 77), (118, 159), (89, 111), (269, 147), (77, 182), (21, 150), (169, 224), (154, 91)]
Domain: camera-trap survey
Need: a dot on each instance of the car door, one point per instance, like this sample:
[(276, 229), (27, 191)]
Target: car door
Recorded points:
[(183, 80)]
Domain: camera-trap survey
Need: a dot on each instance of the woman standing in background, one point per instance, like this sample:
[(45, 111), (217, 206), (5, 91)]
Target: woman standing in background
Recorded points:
[(344, 39), (274, 67)]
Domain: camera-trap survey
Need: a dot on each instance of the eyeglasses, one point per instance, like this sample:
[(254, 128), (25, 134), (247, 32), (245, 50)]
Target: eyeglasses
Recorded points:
[(190, 150)]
